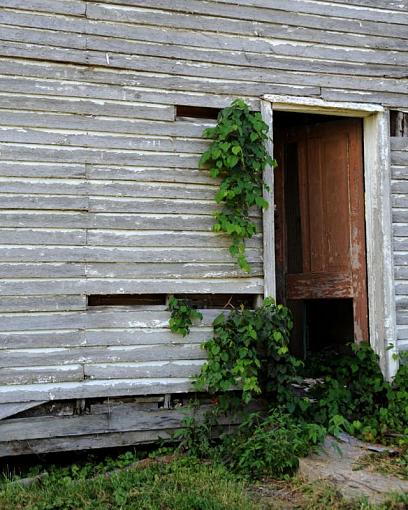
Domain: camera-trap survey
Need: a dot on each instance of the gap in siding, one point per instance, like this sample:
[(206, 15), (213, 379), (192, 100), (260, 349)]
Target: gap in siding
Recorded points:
[(196, 112), (398, 123)]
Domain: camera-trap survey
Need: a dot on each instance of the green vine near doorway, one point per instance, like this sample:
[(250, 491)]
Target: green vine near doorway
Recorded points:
[(238, 157), (182, 316)]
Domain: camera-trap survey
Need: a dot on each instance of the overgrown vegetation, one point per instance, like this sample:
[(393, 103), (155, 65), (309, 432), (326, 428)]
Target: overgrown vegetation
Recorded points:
[(238, 156), (250, 351), (182, 316)]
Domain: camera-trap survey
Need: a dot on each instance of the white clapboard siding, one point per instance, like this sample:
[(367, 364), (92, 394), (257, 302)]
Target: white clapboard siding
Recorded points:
[(100, 191), (106, 340), (399, 161)]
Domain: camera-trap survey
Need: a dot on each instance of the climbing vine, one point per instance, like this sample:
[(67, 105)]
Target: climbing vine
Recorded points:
[(238, 156), (182, 316), (250, 349)]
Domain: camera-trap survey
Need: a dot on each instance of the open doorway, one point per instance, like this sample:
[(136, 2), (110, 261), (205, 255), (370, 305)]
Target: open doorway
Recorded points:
[(321, 271)]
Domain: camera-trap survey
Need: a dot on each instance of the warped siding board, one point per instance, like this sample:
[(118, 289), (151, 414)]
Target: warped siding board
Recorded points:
[(45, 219), (162, 238), (127, 188), (117, 418), (144, 337), (97, 140), (41, 270), (41, 303), (24, 152), (72, 373), (45, 338), (157, 285), (151, 221), (120, 221), (41, 375), (45, 186), (150, 205), (43, 202), (182, 368), (392, 100), (39, 169), (12, 408), (112, 317), (118, 254), (38, 286), (99, 337), (72, 7), (122, 188), (170, 270), (86, 106), (42, 236), (102, 124), (91, 389), (85, 442), (137, 174), (88, 355)]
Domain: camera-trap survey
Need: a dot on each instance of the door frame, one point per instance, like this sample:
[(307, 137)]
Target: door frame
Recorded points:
[(378, 213)]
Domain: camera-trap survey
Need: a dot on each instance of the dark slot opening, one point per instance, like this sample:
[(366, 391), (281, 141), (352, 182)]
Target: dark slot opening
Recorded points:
[(219, 301), (127, 299), (398, 123), (197, 112), (329, 323), (292, 210)]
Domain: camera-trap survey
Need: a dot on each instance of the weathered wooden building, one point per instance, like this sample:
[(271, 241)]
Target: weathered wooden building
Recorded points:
[(104, 212)]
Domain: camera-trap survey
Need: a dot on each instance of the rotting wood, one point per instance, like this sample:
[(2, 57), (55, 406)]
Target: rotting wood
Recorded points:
[(11, 409)]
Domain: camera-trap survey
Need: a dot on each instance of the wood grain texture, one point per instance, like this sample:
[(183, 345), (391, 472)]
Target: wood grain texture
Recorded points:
[(100, 190)]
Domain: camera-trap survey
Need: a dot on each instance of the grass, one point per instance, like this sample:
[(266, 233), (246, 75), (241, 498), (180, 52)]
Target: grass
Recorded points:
[(296, 494), (395, 464), (183, 484), (172, 483)]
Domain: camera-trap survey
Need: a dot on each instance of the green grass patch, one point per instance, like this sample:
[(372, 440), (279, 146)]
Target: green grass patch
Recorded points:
[(183, 484)]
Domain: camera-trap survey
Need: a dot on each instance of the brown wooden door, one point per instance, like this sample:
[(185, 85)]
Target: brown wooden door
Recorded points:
[(320, 228)]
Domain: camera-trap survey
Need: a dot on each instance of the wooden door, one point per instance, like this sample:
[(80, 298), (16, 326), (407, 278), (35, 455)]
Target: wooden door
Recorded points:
[(320, 228)]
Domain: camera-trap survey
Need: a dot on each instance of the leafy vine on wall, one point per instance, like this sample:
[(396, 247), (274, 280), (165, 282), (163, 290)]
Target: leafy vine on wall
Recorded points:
[(238, 156)]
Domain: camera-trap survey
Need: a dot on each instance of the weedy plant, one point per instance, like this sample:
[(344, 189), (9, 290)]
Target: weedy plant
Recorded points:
[(270, 445), (250, 350), (355, 396), (182, 316), (238, 156)]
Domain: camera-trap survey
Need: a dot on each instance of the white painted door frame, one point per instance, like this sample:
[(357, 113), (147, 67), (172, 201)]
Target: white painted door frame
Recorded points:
[(378, 218)]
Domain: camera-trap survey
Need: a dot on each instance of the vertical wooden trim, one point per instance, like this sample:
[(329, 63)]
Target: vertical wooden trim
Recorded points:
[(357, 232), (268, 214), (380, 265)]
